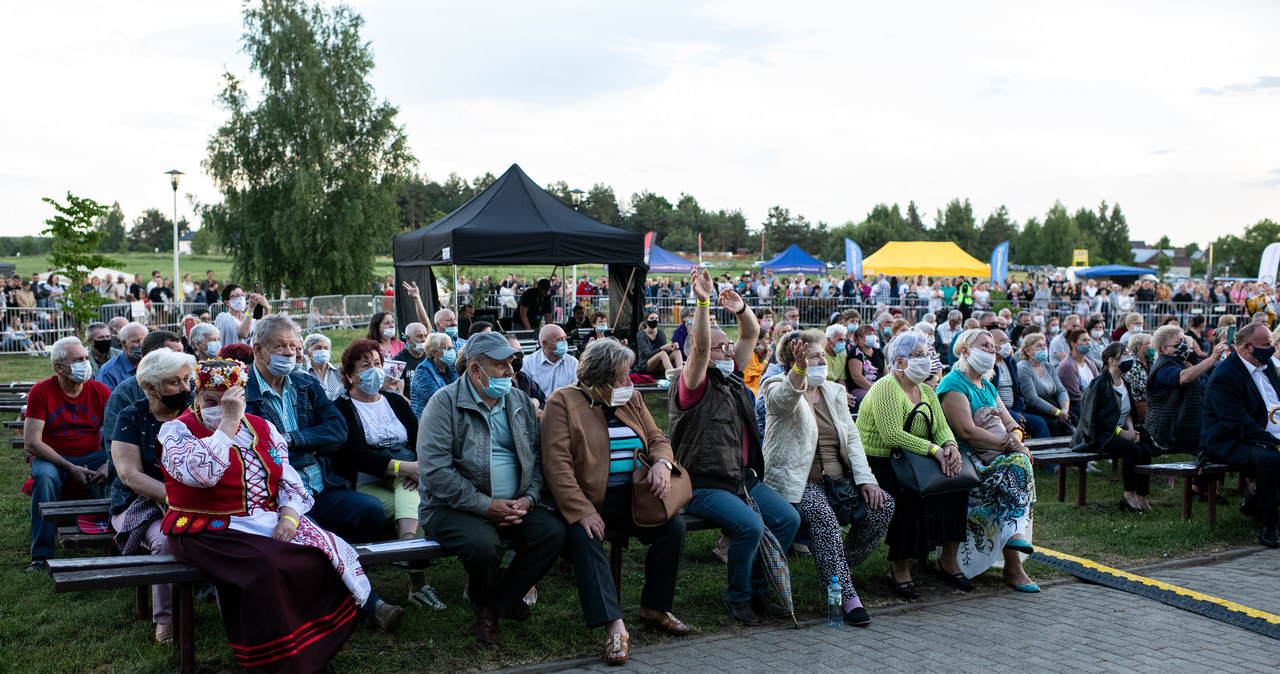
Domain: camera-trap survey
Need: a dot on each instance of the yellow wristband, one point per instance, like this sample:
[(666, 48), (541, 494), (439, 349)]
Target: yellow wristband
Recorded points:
[(799, 371), (1118, 429), (1056, 411), (291, 518), (933, 449), (703, 304), (395, 468), (1021, 434)]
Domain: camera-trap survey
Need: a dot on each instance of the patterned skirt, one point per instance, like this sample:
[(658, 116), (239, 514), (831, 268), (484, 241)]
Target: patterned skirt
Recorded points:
[(999, 509)]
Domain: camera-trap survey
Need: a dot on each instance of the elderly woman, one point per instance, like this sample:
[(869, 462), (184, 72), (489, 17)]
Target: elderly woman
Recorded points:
[(1000, 506), (379, 457), (1136, 375), (236, 512), (382, 329), (318, 352), (657, 355), (1076, 370), (919, 524), (935, 361), (809, 439), (593, 489), (1106, 425), (434, 373), (137, 494), (1042, 391), (866, 362), (203, 339), (1132, 326)]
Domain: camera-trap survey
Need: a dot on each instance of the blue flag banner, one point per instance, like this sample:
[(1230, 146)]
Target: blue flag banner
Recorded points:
[(852, 258), (1000, 263)]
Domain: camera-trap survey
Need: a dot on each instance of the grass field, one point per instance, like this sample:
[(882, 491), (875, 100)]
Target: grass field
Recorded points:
[(95, 632)]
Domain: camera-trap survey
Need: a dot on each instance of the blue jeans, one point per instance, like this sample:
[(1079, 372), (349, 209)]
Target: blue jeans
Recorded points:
[(47, 484), (354, 517), (745, 529), (1036, 427)]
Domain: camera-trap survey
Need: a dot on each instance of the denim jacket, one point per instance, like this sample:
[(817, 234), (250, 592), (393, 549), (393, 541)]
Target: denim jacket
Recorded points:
[(321, 429)]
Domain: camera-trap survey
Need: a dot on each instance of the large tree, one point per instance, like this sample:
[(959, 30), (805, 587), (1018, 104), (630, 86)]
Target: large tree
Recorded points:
[(75, 251), (957, 224), (996, 229), (112, 227), (153, 230), (309, 175), (1113, 235), (1241, 255)]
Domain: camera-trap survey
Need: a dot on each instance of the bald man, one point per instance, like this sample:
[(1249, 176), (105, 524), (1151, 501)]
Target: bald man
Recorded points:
[(447, 323), (551, 366), (413, 353)]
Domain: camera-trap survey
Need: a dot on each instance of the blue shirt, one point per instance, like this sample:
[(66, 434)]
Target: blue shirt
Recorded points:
[(115, 371), (504, 467), (282, 403), (427, 379)]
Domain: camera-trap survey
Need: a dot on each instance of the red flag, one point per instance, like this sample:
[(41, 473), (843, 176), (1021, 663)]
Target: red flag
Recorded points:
[(699, 248)]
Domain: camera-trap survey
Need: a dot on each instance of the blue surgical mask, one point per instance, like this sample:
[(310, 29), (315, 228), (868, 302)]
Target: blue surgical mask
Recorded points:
[(1042, 355), (839, 347), (1084, 348), (281, 366), (320, 357), (371, 380), (452, 331), (497, 387), (449, 356), (212, 348), (562, 347)]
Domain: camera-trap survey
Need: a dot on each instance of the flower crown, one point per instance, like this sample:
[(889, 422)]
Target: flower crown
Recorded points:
[(220, 378)]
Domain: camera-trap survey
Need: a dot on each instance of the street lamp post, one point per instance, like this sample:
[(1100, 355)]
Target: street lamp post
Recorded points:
[(577, 195), (177, 280)]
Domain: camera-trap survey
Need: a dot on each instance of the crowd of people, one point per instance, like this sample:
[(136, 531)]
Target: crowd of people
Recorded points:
[(241, 446)]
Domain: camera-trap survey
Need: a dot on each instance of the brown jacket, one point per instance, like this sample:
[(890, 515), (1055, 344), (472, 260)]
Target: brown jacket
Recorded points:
[(575, 448)]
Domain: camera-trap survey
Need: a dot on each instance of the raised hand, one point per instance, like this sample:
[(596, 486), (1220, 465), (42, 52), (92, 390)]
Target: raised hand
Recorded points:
[(410, 288), (800, 354), (731, 300), (702, 285)]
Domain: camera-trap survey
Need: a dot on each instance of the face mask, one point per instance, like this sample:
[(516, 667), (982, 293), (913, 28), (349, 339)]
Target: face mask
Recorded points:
[(1053, 329), (621, 395), (1263, 354), (815, 375), (497, 387), (102, 345), (388, 332), (80, 371), (517, 363), (689, 322), (135, 354), (651, 323), (452, 331), (918, 369), (725, 367), (177, 401), (236, 303), (562, 347), (449, 356), (1096, 334), (280, 366), (1042, 355), (871, 341), (212, 416), (1039, 320), (1151, 355), (320, 357), (981, 361), (371, 380), (766, 325), (212, 348), (839, 347), (1136, 329), (1182, 350), (1126, 365), (414, 347), (1084, 348), (1005, 350), (601, 328)]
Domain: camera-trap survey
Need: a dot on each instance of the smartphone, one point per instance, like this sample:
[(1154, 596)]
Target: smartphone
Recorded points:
[(1231, 334), (258, 310)]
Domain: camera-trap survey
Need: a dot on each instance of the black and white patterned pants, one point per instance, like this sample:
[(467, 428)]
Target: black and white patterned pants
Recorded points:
[(833, 556)]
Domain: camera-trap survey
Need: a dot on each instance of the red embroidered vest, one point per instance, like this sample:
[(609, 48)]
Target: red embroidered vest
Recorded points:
[(194, 509)]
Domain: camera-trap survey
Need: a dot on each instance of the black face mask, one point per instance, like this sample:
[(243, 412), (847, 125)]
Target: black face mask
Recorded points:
[(517, 363), (1126, 365), (652, 323), (1182, 350), (177, 401), (102, 345), (1262, 354)]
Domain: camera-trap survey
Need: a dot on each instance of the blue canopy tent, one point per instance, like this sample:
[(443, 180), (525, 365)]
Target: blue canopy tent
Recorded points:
[(664, 261), (793, 260), (1110, 270)]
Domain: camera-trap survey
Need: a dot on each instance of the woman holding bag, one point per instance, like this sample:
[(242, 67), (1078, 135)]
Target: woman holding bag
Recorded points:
[(592, 434), (813, 457), (1106, 425)]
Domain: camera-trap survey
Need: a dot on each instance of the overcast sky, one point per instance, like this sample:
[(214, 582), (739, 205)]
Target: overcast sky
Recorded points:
[(1169, 108)]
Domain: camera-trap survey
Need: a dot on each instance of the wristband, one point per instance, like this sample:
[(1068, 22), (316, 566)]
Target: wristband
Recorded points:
[(702, 304), (1118, 430), (291, 518), (741, 311), (667, 464), (395, 468), (799, 371), (933, 449), (1056, 411), (1022, 435)]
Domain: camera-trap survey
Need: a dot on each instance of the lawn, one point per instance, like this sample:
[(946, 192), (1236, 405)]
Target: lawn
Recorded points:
[(50, 632)]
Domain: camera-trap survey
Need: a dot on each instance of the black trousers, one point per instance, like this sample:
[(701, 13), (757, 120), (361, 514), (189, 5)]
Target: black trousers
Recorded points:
[(537, 542), (1266, 472), (1057, 429), (596, 591), (1131, 454)]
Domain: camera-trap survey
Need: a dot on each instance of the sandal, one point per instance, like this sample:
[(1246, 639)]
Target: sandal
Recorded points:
[(905, 590), (616, 643), (956, 580), (164, 633), (668, 623)]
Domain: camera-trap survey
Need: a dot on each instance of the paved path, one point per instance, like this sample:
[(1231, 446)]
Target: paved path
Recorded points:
[(1069, 627)]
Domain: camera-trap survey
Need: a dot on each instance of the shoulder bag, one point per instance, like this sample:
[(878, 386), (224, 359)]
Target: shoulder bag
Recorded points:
[(648, 510), (922, 475)]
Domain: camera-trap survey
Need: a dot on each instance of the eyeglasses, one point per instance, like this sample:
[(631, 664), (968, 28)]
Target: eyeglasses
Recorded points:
[(723, 348)]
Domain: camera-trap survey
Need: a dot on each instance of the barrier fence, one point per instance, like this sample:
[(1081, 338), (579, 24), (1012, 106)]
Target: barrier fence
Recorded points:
[(32, 329)]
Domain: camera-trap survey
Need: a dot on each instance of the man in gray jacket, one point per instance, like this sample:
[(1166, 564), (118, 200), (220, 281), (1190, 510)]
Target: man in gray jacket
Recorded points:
[(481, 470)]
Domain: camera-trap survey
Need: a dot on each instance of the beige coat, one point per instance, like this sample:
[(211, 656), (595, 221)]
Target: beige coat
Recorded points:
[(791, 436)]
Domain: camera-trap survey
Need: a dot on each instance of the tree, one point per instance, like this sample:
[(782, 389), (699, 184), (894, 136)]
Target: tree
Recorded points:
[(602, 204), (1028, 246), (1113, 236), (112, 227), (1241, 255), (957, 225), (914, 222), (203, 242), (1163, 261), (996, 229), (154, 230), (75, 251), (1058, 236), (308, 177)]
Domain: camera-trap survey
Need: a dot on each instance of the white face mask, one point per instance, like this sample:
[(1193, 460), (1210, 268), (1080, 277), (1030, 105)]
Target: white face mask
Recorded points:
[(236, 303), (918, 369), (816, 374), (388, 332), (621, 395), (1005, 350), (212, 416), (981, 361), (725, 367)]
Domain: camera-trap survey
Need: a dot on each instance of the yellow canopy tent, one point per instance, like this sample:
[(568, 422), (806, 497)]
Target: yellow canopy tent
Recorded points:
[(931, 258)]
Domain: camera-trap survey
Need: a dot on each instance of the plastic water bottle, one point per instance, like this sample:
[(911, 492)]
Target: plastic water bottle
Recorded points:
[(835, 603)]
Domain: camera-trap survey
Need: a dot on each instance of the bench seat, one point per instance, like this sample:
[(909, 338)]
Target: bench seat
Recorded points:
[(1188, 471)]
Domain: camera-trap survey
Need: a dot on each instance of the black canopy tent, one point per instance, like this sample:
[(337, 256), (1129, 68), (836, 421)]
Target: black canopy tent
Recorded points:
[(516, 222)]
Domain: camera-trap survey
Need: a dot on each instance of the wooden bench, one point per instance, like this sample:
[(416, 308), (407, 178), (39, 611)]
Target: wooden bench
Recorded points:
[(68, 511), (105, 573), (16, 424), (619, 543), (1188, 471), (1057, 451)]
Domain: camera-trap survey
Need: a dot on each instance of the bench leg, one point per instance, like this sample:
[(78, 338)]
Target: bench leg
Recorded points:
[(615, 567), (186, 628), (1186, 499), (1062, 483), (141, 609), (1080, 483), (1213, 502)]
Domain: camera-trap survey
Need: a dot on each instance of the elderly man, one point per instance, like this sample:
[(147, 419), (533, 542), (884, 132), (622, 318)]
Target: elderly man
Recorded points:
[(1175, 391), (535, 305), (63, 434), (447, 323), (1058, 349), (413, 353), (124, 365), (100, 350), (204, 339), (482, 482), (946, 332), (551, 366), (836, 353), (296, 404), (115, 325), (1240, 424), (522, 380), (128, 391)]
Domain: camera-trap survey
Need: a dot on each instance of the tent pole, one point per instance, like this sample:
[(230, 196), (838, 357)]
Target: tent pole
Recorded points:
[(626, 297), (554, 267), (575, 285), (455, 292)]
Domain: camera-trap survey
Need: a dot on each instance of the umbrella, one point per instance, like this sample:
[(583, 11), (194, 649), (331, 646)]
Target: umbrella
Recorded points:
[(773, 559)]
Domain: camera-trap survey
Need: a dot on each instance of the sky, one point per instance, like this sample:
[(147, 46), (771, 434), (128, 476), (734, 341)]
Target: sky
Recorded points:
[(1167, 107)]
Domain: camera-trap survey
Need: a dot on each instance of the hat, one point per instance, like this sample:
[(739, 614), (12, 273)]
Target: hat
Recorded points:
[(491, 344), (219, 375)]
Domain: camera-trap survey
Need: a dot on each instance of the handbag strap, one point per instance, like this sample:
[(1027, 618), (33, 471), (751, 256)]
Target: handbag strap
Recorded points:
[(921, 408)]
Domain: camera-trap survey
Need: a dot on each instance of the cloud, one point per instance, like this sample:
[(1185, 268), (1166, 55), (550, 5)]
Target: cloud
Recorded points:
[(1273, 178), (1263, 84)]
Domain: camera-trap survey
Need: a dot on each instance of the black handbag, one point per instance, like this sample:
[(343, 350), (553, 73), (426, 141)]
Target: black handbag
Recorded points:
[(843, 496), (920, 474)]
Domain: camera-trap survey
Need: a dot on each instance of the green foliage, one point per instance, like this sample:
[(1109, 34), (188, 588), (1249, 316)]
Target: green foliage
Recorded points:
[(112, 227), (957, 224), (310, 175), (75, 251), (996, 229), (204, 242), (781, 230), (1240, 255), (1163, 262), (1113, 237), (153, 231)]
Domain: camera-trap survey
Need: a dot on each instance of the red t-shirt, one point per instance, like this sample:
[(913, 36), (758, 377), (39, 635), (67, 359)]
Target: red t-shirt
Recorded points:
[(686, 398), (72, 426)]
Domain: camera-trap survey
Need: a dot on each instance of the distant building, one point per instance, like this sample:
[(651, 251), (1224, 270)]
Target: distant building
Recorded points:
[(184, 243), (1179, 262)]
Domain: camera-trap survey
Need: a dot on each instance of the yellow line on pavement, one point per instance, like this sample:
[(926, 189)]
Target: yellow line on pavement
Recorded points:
[(1192, 594)]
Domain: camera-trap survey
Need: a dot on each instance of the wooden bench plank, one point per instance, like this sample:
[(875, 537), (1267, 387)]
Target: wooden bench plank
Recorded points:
[(72, 537), (1188, 471), (112, 578), (418, 549), (66, 511)]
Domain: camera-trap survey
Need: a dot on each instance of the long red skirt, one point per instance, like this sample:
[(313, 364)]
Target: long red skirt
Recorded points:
[(283, 605)]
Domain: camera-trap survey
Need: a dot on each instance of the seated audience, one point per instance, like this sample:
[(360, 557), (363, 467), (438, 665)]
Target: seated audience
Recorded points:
[(101, 351), (123, 366), (522, 380), (382, 329), (835, 354), (1175, 391), (317, 353), (1006, 383), (434, 373), (865, 364), (1136, 377), (551, 366), (203, 339), (1076, 370), (657, 355), (413, 354), (1106, 425), (1042, 391)]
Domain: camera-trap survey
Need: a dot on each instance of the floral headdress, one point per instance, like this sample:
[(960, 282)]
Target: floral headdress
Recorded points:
[(213, 375)]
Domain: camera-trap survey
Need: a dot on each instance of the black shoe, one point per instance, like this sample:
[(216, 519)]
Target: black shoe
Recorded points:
[(857, 617), (905, 590), (1201, 497), (741, 611), (1125, 507), (1269, 536), (1249, 507), (762, 603), (38, 566), (958, 581), (519, 612)]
